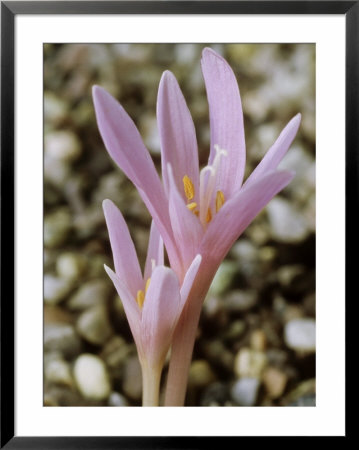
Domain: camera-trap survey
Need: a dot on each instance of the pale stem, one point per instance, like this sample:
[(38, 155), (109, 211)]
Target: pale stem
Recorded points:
[(181, 354), (151, 378)]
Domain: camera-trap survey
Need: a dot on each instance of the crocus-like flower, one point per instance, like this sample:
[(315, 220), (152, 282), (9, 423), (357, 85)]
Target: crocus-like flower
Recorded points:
[(196, 212), (153, 302)]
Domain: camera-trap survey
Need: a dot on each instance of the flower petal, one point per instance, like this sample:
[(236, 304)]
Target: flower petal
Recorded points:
[(236, 214), (276, 153), (131, 308), (187, 229), (177, 133), (123, 250), (125, 146), (189, 279), (154, 251), (226, 120), (160, 313)]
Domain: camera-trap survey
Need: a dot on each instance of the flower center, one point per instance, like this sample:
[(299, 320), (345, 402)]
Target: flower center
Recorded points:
[(207, 184)]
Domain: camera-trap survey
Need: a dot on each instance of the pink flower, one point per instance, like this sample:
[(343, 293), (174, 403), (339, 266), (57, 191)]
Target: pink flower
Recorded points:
[(153, 302), (196, 212)]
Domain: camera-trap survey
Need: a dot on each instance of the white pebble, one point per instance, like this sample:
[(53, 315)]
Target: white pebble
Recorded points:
[(299, 334), (91, 377)]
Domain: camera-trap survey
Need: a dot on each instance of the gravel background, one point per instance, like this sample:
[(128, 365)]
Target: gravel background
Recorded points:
[(256, 339)]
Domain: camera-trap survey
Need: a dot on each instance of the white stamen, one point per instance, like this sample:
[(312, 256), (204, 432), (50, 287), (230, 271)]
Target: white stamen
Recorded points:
[(206, 192)]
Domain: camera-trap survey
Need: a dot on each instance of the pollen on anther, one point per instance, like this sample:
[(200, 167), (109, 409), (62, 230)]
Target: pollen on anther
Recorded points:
[(140, 298), (219, 200), (188, 187), (209, 215), (192, 206)]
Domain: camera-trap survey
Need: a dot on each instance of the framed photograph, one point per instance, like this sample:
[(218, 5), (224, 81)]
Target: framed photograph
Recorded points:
[(177, 182)]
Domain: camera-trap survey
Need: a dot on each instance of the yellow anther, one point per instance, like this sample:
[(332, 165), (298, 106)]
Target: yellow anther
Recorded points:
[(196, 213), (147, 285), (192, 206), (188, 187), (209, 215), (219, 200), (140, 298)]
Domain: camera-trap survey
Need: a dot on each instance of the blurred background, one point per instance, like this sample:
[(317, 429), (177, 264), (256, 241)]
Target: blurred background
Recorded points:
[(256, 339)]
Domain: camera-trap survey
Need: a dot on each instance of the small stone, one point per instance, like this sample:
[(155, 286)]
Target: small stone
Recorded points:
[(299, 334), (223, 278), (249, 363), (287, 274), (286, 223), (94, 325), (200, 374), (55, 289), (55, 109), (61, 338), (258, 340), (58, 371), (217, 353), (57, 226), (63, 145), (115, 352), (244, 391), (240, 300), (92, 293), (117, 399), (70, 265), (91, 377), (215, 394), (235, 330), (132, 379), (274, 381)]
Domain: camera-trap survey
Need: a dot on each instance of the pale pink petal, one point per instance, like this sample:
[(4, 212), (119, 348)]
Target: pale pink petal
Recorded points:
[(160, 313), (124, 142), (236, 214), (226, 120), (177, 133), (131, 308), (154, 251), (123, 250), (126, 147), (276, 153), (189, 279), (186, 226)]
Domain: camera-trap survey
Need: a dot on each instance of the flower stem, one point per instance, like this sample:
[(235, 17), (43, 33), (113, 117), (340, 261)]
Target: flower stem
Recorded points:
[(151, 378), (181, 354)]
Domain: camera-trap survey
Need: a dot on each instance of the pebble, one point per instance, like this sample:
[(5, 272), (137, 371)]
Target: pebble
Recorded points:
[(240, 300), (70, 265), (62, 338), (200, 374), (245, 391), (91, 377), (223, 278), (63, 145), (116, 399), (58, 371), (258, 340), (249, 363), (92, 293), (55, 109), (94, 325), (216, 394), (55, 289), (286, 223), (115, 352), (299, 334), (235, 331), (274, 381), (57, 226), (132, 379)]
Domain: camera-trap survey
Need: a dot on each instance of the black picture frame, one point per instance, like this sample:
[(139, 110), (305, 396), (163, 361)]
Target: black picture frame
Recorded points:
[(9, 11)]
